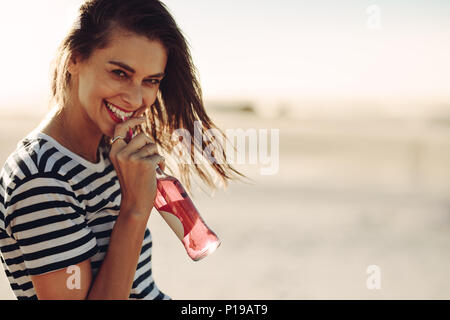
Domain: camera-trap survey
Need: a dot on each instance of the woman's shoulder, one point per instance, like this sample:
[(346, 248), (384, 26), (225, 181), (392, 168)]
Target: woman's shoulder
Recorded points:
[(25, 154), (39, 154), (23, 162)]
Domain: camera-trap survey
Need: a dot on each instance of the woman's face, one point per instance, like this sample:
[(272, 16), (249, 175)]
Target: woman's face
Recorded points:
[(119, 80)]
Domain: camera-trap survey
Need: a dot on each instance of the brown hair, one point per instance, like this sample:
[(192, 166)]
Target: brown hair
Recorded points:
[(179, 101)]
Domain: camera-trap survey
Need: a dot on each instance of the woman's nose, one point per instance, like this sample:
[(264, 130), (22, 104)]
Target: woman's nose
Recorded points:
[(133, 96)]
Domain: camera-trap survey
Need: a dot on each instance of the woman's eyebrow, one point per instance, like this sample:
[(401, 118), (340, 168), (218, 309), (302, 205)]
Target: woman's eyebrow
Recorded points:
[(130, 69)]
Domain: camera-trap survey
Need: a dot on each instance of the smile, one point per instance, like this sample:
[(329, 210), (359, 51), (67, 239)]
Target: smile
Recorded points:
[(118, 113)]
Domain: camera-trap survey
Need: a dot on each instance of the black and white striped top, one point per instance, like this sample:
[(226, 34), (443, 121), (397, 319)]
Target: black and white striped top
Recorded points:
[(56, 210)]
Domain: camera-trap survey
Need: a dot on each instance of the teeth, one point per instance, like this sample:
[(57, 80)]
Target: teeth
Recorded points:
[(119, 113)]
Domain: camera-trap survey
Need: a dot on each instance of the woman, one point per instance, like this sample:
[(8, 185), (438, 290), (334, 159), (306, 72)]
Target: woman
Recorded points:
[(76, 195)]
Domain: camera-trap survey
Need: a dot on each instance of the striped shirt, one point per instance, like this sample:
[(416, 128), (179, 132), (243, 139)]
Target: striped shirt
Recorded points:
[(56, 210)]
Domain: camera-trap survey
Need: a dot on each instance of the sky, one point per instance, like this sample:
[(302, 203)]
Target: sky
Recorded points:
[(264, 49)]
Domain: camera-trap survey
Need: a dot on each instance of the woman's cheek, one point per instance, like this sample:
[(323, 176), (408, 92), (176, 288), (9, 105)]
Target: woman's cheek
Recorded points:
[(150, 95), (108, 86)]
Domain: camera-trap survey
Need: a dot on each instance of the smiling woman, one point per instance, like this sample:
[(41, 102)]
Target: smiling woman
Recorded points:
[(122, 81), (70, 199)]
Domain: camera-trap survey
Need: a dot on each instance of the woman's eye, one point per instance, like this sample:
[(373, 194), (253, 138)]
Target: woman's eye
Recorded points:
[(119, 73), (153, 82)]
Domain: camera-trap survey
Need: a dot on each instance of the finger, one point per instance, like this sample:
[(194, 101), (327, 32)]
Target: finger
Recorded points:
[(122, 130), (137, 143), (162, 164), (157, 160), (146, 151), (140, 130)]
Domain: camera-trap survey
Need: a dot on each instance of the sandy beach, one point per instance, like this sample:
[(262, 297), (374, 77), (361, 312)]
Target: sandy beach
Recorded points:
[(349, 194)]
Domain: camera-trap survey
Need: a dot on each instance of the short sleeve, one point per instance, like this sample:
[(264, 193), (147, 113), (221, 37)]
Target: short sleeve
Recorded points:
[(48, 223)]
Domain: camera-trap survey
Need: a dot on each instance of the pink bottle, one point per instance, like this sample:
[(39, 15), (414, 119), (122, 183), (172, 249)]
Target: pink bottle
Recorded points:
[(177, 209)]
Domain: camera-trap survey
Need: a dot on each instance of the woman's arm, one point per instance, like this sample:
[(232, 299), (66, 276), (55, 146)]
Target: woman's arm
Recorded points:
[(135, 164), (115, 277)]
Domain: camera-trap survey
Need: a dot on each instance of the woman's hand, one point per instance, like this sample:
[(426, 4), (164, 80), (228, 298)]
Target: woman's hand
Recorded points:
[(135, 164)]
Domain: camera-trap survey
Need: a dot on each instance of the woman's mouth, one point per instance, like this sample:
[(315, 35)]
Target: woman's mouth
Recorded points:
[(115, 113)]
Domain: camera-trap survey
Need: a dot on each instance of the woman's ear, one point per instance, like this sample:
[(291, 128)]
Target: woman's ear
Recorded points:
[(74, 65)]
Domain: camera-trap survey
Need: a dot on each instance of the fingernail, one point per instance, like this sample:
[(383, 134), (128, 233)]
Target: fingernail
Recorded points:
[(129, 136)]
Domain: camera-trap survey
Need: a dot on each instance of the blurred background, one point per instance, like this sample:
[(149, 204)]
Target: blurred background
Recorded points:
[(360, 93)]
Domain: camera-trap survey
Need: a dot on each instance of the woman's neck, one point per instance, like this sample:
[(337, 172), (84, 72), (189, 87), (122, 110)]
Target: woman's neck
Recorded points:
[(66, 127)]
